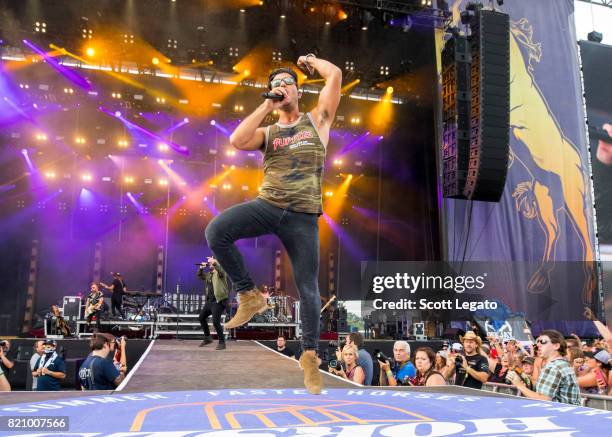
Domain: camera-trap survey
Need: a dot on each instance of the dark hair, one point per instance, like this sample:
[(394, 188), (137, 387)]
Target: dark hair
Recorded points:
[(575, 352), (281, 336), (98, 340), (279, 71), (556, 338), (356, 338), (430, 354)]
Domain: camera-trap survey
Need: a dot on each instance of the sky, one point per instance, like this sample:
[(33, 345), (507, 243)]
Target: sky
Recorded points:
[(589, 16)]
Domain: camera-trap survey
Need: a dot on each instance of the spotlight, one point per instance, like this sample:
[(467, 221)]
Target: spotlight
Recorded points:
[(283, 16), (118, 114), (160, 100), (86, 177), (389, 90), (122, 143), (337, 162), (163, 182), (242, 10), (50, 175), (246, 73), (213, 122), (226, 187), (90, 52), (230, 153), (116, 95), (185, 120), (79, 140), (128, 180), (155, 61), (68, 91), (163, 147), (24, 151), (41, 137), (329, 193)]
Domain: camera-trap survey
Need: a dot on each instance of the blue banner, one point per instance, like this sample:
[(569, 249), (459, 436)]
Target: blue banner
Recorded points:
[(545, 214)]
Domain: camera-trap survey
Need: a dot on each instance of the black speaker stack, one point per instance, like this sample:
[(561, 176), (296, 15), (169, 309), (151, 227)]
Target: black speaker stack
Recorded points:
[(476, 107)]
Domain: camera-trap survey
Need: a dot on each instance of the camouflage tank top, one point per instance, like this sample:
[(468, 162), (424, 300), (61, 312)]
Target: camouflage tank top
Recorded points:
[(293, 166)]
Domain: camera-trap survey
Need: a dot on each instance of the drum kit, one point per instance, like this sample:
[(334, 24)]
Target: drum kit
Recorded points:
[(280, 310)]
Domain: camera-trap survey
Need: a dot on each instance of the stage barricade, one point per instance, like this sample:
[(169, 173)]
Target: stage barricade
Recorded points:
[(599, 402)]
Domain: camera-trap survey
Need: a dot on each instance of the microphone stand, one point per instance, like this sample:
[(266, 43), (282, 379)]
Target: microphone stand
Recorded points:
[(178, 298)]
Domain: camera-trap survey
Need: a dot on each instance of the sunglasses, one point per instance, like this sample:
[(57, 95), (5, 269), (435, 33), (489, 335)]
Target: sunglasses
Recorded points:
[(286, 80), (541, 341)]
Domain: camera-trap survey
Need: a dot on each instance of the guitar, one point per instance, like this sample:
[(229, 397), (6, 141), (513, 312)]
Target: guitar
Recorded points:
[(94, 307), (60, 323), (329, 302)]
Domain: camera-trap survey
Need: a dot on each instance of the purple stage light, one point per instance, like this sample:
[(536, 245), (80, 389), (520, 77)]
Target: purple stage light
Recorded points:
[(118, 114), (24, 151), (68, 74), (185, 120), (213, 122)]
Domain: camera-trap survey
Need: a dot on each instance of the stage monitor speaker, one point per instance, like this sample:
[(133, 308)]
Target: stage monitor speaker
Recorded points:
[(342, 325), (456, 98), (490, 106), (71, 308)]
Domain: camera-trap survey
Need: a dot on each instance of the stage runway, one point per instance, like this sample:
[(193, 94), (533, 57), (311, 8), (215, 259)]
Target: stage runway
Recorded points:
[(180, 389), (182, 365)]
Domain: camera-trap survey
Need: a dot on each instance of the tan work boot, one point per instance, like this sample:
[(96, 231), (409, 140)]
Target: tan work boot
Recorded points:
[(251, 303), (313, 381)]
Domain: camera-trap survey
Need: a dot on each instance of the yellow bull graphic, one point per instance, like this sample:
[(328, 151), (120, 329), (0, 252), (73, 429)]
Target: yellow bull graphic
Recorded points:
[(545, 151)]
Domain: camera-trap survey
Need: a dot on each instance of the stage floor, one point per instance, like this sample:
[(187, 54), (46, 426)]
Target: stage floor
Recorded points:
[(179, 389)]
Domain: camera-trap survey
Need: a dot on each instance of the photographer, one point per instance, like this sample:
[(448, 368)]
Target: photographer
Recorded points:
[(216, 292), (364, 359), (471, 368), (6, 364), (98, 371), (50, 368), (401, 370), (348, 368)]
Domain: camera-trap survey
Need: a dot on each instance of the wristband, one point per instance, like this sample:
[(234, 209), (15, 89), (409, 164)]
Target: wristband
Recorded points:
[(308, 66), (389, 373)]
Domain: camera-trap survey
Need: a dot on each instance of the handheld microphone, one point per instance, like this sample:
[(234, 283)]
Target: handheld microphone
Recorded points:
[(272, 96)]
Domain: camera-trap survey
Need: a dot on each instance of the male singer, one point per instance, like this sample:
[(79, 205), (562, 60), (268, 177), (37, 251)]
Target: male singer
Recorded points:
[(289, 203), (216, 293)]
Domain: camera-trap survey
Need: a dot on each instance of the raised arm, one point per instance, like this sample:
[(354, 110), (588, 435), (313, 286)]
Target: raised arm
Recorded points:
[(329, 98)]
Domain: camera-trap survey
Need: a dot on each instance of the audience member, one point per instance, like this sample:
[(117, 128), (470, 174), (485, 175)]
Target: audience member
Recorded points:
[(50, 368), (402, 369), (348, 367), (39, 351), (364, 360), (281, 346), (557, 381), (426, 375)]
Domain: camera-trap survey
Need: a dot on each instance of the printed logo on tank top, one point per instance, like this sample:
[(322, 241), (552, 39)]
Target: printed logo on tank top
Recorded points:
[(292, 141)]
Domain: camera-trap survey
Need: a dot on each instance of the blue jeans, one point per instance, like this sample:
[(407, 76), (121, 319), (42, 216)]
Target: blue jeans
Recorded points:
[(299, 233)]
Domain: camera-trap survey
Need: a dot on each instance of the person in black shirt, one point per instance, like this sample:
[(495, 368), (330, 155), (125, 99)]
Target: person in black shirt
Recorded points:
[(5, 365), (474, 368), (98, 371), (281, 346), (119, 288)]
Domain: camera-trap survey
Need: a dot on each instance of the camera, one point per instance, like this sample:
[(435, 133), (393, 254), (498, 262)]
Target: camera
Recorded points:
[(335, 364), (382, 358), (458, 362)]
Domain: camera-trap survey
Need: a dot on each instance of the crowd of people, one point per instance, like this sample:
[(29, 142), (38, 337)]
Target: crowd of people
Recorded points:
[(551, 368), (104, 368)]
